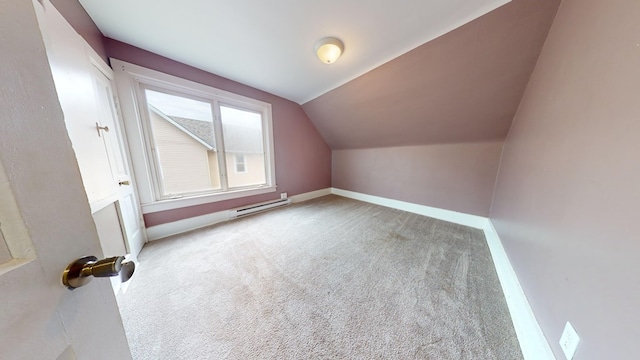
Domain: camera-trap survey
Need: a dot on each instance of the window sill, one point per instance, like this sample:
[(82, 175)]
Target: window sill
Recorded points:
[(170, 204)]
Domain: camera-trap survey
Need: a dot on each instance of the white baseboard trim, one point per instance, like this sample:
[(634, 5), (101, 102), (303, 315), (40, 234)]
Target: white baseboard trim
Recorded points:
[(310, 195), (533, 343), (473, 221), (177, 227)]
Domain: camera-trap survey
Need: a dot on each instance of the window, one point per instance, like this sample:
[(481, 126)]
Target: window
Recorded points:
[(194, 144), (240, 164), (183, 144)]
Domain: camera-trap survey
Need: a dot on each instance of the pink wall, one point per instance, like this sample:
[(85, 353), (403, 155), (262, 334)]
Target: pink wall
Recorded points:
[(303, 159), (450, 101), (458, 177), (78, 18), (464, 86), (567, 199)]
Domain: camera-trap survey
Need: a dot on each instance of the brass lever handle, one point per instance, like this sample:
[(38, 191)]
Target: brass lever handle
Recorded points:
[(124, 182), (83, 270), (98, 128)]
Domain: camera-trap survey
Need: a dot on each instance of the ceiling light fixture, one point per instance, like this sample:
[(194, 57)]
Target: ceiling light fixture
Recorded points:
[(329, 49)]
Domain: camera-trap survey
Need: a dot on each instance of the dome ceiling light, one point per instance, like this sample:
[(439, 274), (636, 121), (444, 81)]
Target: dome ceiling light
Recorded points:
[(329, 49)]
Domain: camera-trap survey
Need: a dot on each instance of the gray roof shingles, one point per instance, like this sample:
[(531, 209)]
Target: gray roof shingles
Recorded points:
[(237, 139)]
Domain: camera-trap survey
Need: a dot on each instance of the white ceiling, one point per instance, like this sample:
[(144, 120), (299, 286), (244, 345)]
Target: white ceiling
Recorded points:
[(269, 45)]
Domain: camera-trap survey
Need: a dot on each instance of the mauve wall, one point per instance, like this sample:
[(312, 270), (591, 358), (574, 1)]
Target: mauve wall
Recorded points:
[(462, 87), (78, 18), (458, 177), (450, 102), (567, 201), (303, 159)]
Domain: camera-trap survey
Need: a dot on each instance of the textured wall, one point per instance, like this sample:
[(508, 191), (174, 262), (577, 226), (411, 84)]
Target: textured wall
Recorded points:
[(303, 159), (458, 177), (566, 201)]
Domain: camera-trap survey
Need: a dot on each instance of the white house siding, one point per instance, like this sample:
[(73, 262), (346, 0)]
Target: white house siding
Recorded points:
[(214, 173), (254, 164), (184, 162)]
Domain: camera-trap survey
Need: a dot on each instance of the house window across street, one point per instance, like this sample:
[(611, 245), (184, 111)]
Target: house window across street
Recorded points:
[(240, 164)]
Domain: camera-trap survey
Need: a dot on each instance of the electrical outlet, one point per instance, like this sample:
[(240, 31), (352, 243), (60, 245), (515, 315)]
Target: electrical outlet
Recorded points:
[(283, 195), (569, 341)]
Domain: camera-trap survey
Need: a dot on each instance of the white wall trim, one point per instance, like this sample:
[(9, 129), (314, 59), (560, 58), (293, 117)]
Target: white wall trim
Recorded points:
[(473, 221), (177, 227), (184, 225), (172, 204), (310, 195), (533, 343)]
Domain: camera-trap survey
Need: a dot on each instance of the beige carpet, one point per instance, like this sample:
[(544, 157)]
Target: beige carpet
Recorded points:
[(331, 278)]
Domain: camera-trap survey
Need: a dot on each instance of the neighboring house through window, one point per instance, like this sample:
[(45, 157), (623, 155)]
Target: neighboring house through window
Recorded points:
[(194, 144)]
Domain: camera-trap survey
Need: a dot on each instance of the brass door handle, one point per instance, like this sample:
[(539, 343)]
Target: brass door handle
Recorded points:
[(83, 270), (103, 128), (124, 182)]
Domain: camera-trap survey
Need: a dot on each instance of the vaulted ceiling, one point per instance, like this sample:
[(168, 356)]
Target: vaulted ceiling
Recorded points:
[(269, 45), (464, 86), (413, 71)]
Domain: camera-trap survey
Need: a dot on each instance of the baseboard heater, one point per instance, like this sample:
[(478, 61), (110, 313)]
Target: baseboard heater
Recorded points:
[(250, 209)]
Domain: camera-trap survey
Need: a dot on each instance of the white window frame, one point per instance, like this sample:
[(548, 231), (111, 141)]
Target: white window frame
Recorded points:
[(130, 81)]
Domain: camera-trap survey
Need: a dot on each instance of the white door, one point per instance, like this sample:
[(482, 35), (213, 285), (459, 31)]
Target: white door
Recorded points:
[(45, 219), (83, 83), (126, 201)]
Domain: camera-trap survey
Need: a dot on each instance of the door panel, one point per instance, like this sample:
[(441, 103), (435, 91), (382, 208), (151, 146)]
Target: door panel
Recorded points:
[(44, 218), (108, 117), (109, 231), (129, 211), (126, 201), (75, 89), (84, 87)]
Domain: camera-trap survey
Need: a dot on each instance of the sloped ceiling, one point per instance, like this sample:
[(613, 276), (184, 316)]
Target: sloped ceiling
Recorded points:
[(269, 45), (464, 86)]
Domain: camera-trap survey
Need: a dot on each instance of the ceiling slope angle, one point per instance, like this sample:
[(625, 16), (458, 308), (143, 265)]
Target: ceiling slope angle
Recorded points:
[(462, 87), (269, 45)]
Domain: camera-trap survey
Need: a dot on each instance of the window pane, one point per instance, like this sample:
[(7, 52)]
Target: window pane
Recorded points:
[(184, 144), (243, 147)]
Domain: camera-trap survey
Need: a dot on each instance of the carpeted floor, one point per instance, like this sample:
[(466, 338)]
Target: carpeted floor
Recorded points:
[(330, 278)]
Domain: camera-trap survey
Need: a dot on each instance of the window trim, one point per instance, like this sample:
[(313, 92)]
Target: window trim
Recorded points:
[(150, 143), (130, 79)]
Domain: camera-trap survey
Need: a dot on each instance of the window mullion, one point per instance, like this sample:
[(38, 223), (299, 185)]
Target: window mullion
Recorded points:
[(222, 161), (150, 142)]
